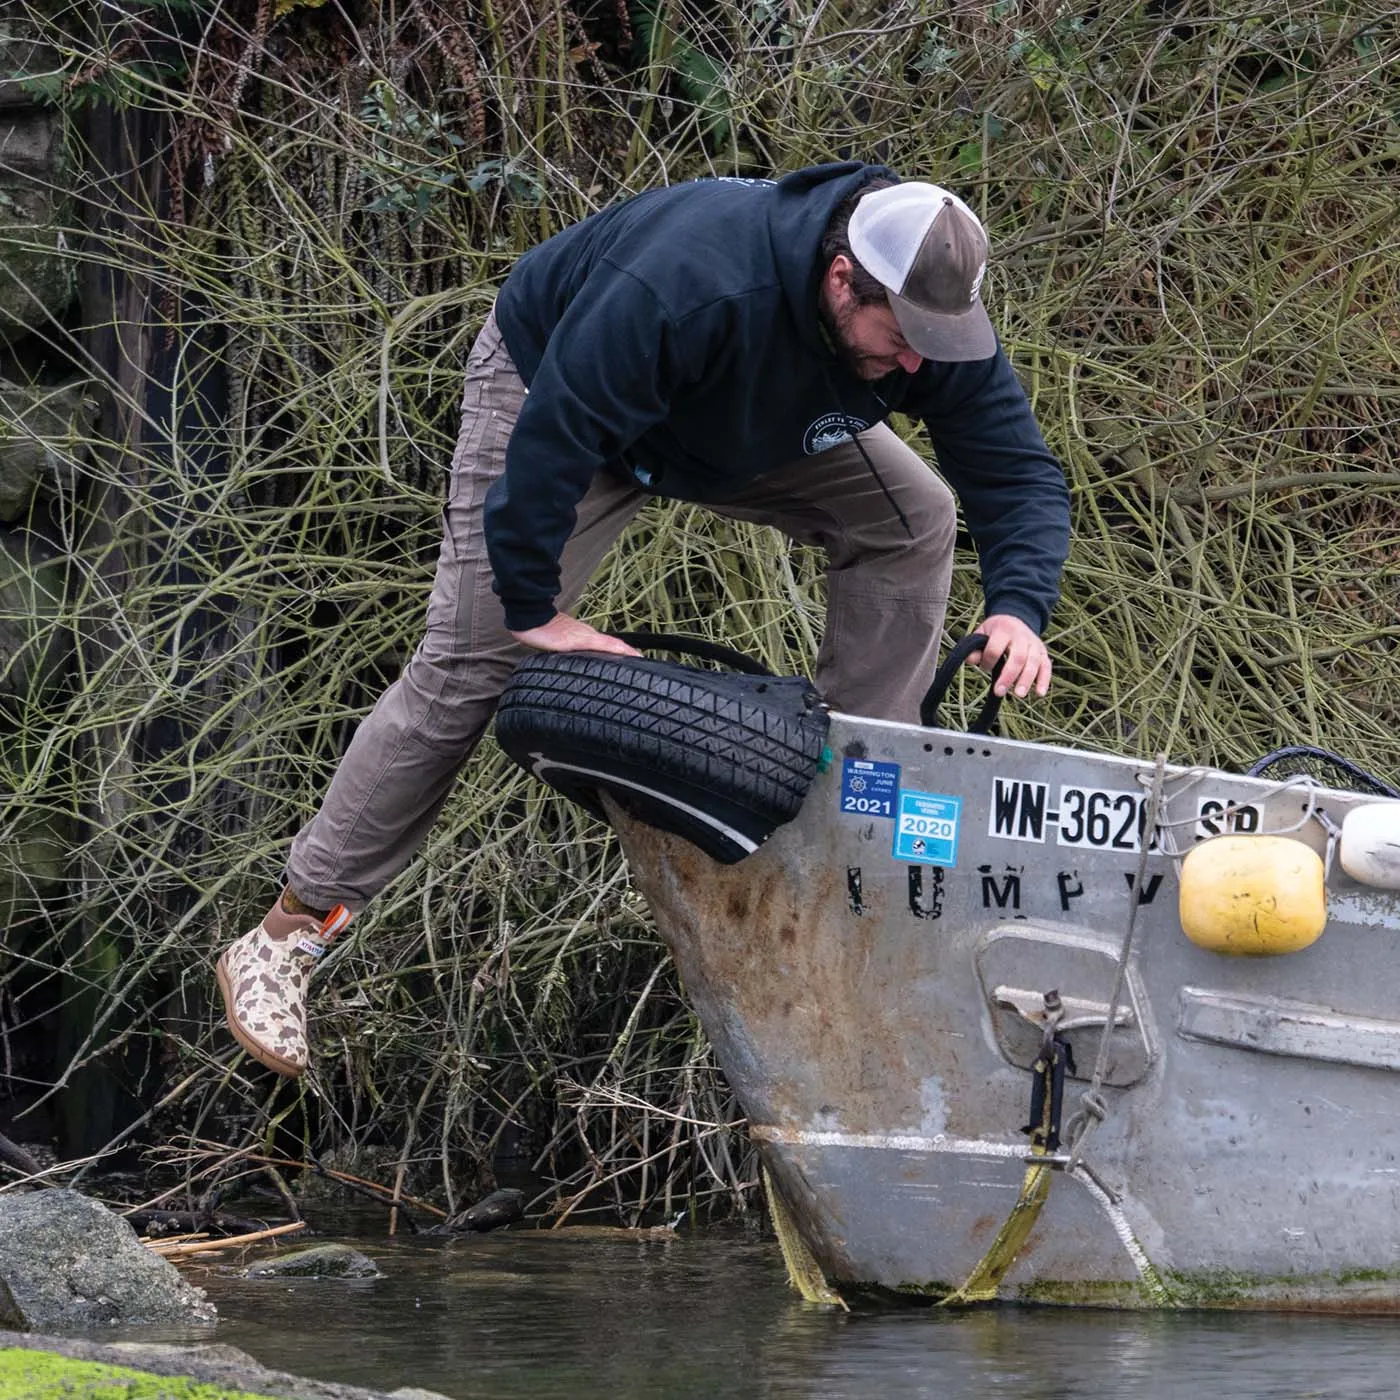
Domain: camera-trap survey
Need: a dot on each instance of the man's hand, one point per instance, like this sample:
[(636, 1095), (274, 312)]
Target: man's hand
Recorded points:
[(565, 633), (1027, 660)]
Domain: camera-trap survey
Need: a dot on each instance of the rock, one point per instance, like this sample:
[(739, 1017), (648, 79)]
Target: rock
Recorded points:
[(36, 845), (45, 433), (320, 1261), (67, 1262), (22, 55), (501, 1207), (34, 853), (27, 1362), (38, 281), (29, 142)]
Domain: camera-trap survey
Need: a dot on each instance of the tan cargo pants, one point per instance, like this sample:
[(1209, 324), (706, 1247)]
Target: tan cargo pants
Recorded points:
[(887, 593)]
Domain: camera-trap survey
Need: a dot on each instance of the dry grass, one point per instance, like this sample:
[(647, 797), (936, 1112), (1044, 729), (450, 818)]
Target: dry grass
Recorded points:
[(1196, 274)]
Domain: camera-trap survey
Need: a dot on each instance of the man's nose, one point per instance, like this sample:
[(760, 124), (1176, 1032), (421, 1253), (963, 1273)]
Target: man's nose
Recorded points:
[(909, 360)]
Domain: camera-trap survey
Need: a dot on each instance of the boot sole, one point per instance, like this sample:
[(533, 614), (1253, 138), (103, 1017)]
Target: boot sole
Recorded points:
[(270, 1058)]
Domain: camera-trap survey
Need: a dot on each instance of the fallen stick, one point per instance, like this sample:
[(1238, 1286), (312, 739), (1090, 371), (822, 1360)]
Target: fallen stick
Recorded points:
[(160, 1243), (204, 1246), (13, 1155), (188, 1222), (386, 1195)]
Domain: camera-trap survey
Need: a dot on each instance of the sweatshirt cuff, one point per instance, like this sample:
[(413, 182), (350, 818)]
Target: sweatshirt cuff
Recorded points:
[(521, 617), (1030, 610)]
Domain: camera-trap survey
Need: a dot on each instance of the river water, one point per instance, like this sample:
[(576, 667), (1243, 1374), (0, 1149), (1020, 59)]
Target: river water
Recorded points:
[(594, 1315)]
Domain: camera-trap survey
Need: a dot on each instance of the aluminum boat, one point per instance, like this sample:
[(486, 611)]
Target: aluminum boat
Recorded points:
[(1005, 1028)]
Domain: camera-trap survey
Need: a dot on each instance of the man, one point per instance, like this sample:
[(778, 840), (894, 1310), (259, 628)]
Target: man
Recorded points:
[(734, 342)]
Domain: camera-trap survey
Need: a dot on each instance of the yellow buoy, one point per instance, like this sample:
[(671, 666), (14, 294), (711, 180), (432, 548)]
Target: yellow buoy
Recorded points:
[(1253, 895)]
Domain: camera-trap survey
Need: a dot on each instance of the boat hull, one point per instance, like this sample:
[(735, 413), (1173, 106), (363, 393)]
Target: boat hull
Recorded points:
[(873, 980)]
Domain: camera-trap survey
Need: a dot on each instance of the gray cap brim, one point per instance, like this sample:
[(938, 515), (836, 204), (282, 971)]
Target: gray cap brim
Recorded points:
[(966, 336)]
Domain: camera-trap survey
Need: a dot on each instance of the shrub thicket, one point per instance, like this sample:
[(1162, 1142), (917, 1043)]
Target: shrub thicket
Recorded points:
[(1194, 219)]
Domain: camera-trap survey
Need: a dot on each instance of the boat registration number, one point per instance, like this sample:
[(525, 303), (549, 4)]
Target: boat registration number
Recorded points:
[(1103, 819), (1106, 819)]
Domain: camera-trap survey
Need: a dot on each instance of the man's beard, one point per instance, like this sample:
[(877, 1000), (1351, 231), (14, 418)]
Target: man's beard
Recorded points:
[(836, 326)]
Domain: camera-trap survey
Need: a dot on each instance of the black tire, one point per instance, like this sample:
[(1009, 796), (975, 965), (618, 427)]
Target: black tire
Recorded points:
[(720, 759)]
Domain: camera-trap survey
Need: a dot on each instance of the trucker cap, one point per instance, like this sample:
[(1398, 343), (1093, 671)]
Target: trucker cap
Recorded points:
[(929, 251)]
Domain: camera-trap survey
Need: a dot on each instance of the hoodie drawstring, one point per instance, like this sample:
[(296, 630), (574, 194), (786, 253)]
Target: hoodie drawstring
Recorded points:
[(860, 447), (880, 481)]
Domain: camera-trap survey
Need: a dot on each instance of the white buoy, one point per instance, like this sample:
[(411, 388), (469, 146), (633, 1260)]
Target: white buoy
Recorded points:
[(1370, 845)]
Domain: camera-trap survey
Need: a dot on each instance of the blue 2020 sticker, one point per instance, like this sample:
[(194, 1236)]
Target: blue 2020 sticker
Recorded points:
[(869, 789), (927, 828)]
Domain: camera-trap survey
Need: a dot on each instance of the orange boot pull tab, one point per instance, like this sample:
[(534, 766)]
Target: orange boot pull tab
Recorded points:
[(335, 922)]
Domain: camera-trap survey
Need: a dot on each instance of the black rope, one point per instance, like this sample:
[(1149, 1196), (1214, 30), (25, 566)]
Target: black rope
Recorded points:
[(695, 646), (985, 722)]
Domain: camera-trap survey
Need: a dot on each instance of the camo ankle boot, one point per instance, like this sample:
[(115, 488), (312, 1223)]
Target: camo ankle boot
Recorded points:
[(263, 978)]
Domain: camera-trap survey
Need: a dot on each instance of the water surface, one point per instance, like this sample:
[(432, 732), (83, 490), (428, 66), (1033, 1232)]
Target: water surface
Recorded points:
[(598, 1316)]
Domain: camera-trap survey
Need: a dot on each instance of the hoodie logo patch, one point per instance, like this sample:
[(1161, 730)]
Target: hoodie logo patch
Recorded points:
[(831, 430)]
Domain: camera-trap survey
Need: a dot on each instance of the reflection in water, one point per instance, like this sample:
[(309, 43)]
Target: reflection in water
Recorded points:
[(606, 1317)]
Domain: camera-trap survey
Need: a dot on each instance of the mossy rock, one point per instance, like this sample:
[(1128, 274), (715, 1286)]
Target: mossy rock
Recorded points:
[(33, 850), (43, 1375), (22, 55), (44, 434), (320, 1261), (50, 1368), (38, 282)]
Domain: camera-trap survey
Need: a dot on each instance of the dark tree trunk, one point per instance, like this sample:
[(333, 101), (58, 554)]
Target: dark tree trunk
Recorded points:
[(145, 536)]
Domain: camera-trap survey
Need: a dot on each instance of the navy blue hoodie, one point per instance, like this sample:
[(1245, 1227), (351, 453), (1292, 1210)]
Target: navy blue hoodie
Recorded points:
[(675, 337)]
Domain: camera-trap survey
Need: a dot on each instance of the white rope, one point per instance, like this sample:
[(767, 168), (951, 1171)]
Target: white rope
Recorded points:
[(1304, 781), (1093, 1109)]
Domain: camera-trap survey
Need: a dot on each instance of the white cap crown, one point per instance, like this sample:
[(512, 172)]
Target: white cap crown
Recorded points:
[(929, 251)]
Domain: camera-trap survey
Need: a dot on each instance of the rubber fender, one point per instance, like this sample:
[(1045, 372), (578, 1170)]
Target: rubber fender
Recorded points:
[(722, 760), (1370, 846), (1253, 895)]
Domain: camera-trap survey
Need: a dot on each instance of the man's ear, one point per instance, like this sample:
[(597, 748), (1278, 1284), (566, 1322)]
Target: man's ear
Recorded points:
[(837, 281)]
